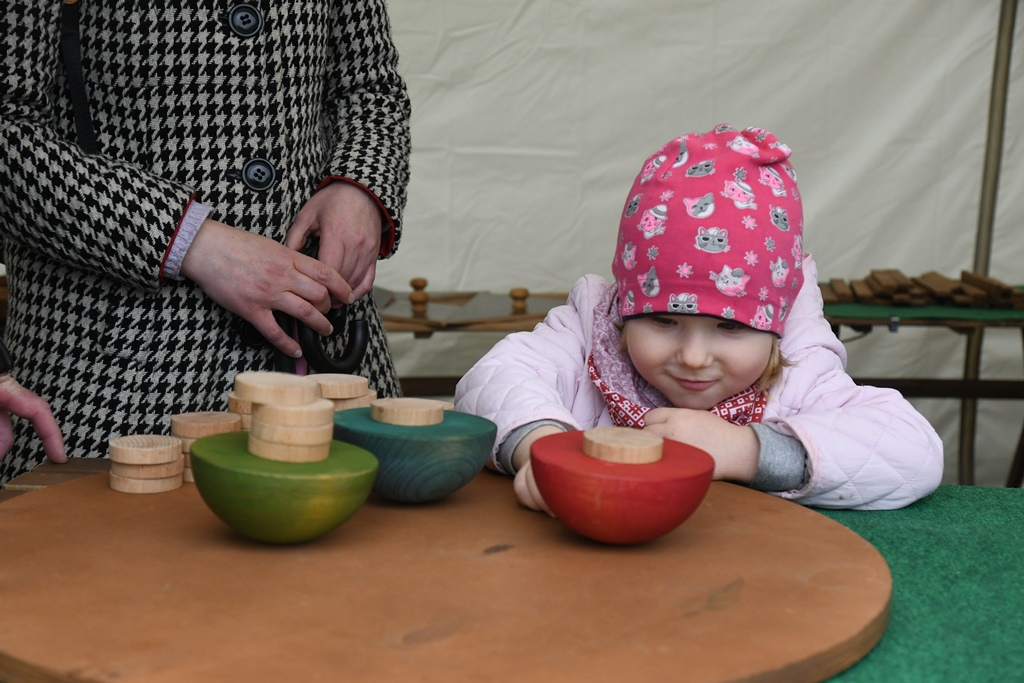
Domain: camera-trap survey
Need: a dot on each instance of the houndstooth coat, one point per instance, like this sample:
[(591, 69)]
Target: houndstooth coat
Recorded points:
[(181, 102)]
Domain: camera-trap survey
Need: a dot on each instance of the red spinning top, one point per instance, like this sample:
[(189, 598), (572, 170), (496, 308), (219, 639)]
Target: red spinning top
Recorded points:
[(620, 485)]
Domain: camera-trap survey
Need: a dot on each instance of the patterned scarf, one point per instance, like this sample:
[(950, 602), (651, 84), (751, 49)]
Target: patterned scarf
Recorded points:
[(629, 396)]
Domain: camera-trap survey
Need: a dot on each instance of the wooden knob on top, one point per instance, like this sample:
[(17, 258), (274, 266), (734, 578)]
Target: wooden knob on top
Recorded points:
[(410, 412), (519, 296), (622, 445)]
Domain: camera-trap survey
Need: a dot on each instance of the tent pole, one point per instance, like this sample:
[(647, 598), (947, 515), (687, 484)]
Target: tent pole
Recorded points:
[(994, 142)]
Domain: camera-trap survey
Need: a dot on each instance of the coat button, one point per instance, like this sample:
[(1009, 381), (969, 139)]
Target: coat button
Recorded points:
[(258, 174), (245, 21)]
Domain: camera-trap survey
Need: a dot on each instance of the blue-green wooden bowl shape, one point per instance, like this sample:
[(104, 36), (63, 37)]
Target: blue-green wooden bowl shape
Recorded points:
[(280, 502), (419, 464)]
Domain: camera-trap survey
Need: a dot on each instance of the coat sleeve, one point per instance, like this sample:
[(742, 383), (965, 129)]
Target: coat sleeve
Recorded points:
[(867, 447), (537, 375), (90, 212), (368, 111)]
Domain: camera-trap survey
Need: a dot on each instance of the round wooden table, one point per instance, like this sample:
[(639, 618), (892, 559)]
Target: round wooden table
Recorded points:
[(97, 585)]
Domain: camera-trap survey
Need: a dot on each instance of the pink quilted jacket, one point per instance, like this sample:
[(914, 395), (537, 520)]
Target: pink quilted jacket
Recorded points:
[(867, 447)]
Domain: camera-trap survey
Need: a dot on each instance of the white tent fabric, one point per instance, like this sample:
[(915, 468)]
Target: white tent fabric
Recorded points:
[(531, 118)]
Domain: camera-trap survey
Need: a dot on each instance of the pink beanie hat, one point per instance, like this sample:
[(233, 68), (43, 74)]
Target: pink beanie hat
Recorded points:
[(713, 226)]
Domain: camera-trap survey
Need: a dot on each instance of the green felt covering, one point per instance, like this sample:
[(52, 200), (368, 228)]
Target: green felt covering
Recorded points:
[(957, 562), (855, 311)]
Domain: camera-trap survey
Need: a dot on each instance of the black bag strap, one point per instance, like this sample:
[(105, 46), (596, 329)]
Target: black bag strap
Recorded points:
[(71, 52)]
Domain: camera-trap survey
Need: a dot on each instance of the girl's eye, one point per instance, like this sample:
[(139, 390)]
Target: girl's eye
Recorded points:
[(729, 327), (663, 322)]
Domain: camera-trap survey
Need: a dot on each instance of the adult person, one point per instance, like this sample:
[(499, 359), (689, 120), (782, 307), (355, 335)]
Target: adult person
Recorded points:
[(163, 165), (17, 400)]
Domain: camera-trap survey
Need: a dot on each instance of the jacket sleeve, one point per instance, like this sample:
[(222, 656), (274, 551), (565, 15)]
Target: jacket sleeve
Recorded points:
[(536, 375), (867, 447), (368, 112), (88, 211)]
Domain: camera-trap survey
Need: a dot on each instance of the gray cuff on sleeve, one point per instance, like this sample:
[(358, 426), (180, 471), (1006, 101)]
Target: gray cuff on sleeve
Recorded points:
[(508, 447), (782, 464), (190, 224)]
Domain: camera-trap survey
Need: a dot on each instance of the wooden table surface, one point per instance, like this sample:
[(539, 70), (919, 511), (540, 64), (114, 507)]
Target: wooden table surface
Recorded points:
[(97, 585)]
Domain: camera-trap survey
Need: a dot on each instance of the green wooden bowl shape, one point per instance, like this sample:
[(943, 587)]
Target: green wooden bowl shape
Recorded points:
[(419, 464), (280, 502)]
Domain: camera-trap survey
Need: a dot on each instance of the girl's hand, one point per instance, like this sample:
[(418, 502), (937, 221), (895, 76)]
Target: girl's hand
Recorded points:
[(735, 449), (526, 490)]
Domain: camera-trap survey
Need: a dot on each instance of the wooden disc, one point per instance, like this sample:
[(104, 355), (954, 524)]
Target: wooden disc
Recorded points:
[(144, 449), (410, 412), (285, 434), (198, 425), (238, 405), (364, 401), (622, 445), (288, 452), (129, 485), (186, 475), (158, 471), (275, 387), (186, 444), (313, 414), (334, 385)]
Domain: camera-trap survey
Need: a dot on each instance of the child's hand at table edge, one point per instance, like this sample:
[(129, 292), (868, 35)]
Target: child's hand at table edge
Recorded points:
[(525, 486), (735, 449)]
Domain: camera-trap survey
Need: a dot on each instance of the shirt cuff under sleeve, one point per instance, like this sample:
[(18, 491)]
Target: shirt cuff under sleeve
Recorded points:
[(194, 216), (503, 458), (782, 464)]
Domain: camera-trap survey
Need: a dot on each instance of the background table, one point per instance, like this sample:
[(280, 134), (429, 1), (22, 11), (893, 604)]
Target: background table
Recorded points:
[(970, 322)]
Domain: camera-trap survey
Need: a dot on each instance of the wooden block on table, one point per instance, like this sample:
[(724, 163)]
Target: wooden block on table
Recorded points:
[(828, 295), (842, 290), (862, 292), (939, 285), (994, 288)]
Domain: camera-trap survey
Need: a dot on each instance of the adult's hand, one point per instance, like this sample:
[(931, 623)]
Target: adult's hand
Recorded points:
[(347, 221), (17, 400), (253, 276)]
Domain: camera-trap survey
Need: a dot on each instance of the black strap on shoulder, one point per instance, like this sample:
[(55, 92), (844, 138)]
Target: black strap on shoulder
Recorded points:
[(71, 51)]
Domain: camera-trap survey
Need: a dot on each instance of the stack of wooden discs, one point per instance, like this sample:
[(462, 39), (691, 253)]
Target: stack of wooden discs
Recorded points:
[(290, 422), (345, 391), (191, 426), (146, 463)]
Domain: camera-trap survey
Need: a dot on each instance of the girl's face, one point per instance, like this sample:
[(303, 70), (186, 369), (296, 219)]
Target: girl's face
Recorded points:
[(696, 361)]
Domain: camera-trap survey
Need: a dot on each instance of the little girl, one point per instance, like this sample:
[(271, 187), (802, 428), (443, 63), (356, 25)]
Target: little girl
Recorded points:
[(713, 334)]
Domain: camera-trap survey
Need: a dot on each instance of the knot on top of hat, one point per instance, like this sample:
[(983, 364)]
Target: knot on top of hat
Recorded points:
[(759, 144)]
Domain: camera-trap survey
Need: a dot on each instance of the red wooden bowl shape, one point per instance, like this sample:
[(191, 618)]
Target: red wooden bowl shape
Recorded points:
[(619, 503)]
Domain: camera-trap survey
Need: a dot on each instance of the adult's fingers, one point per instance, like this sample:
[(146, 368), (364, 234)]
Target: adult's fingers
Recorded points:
[(17, 400)]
